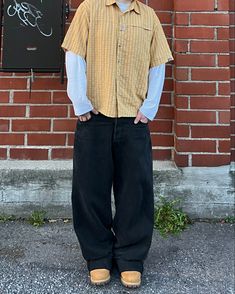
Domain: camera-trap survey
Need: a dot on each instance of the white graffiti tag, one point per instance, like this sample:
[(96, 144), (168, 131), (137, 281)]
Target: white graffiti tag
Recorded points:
[(28, 14)]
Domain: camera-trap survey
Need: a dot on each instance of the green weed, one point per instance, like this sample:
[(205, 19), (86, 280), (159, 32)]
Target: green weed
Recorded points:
[(228, 219), (37, 218), (5, 217), (168, 219)]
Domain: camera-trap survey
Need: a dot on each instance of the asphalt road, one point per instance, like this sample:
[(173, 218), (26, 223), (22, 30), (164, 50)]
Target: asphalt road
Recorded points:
[(48, 260)]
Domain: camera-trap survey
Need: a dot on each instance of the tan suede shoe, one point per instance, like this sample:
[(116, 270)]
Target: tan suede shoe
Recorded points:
[(131, 279), (100, 276)]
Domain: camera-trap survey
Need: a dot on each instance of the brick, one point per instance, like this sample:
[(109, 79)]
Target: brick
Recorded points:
[(38, 74), (28, 154), (232, 100), (168, 71), (71, 112), (233, 140), (181, 74), (162, 140), (181, 130), (224, 146), (223, 60), (210, 74), (181, 46), (11, 139), (211, 19), (161, 5), (4, 125), (196, 145), (195, 116), (195, 60), (224, 117), (165, 112), (46, 139), (161, 154), (166, 99), (232, 13), (209, 102), (62, 153), (195, 88), (210, 160), (232, 84), (209, 46), (64, 125), (232, 61), (232, 155), (194, 33), (223, 33), (35, 98), (3, 153), (12, 111), (233, 127), (75, 3), (165, 17), (210, 131), (181, 102), (13, 83), (48, 84), (4, 97), (59, 97), (6, 74), (31, 125), (224, 88), (168, 85), (223, 5), (180, 160), (192, 5), (161, 126), (48, 111), (70, 139), (168, 30), (181, 19)]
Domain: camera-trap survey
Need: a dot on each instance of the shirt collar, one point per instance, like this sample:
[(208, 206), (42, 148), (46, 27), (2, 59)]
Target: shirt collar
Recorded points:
[(134, 5)]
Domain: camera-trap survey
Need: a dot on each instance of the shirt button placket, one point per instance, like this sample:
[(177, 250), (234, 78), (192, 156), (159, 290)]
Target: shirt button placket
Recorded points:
[(122, 28)]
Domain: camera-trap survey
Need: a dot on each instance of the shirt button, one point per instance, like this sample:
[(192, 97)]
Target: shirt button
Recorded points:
[(122, 27)]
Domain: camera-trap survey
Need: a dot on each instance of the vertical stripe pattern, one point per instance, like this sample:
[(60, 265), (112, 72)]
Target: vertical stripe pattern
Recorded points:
[(119, 48)]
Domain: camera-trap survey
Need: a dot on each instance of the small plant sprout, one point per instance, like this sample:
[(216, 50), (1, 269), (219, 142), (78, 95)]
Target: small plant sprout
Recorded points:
[(37, 218)]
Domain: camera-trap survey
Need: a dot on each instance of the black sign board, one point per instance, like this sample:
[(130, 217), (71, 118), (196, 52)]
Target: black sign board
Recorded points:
[(32, 35)]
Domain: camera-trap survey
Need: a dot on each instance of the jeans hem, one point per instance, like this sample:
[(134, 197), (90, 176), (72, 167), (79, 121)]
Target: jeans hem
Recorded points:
[(99, 263), (130, 265)]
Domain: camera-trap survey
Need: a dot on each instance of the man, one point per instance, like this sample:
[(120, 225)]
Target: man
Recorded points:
[(113, 49)]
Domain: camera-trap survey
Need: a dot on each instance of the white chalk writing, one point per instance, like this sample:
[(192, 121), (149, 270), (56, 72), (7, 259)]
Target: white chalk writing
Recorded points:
[(28, 14)]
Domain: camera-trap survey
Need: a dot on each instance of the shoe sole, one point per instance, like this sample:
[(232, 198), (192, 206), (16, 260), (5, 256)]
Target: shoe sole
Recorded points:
[(100, 282), (130, 285)]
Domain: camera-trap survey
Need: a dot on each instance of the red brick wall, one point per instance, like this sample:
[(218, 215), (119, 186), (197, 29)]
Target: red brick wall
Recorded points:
[(232, 75), (202, 83), (193, 122), (162, 127)]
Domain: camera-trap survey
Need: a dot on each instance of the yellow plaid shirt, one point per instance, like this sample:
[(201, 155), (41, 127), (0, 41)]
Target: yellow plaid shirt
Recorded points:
[(119, 49)]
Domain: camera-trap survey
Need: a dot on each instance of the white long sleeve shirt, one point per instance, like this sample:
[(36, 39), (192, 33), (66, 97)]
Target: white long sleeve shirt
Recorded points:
[(77, 83)]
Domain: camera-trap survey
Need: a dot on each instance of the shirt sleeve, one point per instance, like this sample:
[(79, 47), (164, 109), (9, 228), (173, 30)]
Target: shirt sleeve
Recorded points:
[(76, 37), (159, 51), (150, 105), (77, 83)]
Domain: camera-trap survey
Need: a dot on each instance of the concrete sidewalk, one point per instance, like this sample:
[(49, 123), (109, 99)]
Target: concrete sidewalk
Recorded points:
[(48, 260)]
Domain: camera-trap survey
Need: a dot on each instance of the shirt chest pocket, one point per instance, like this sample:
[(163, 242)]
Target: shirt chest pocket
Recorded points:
[(140, 34)]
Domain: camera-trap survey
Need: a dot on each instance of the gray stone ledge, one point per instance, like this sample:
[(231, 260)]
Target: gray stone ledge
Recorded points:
[(205, 192)]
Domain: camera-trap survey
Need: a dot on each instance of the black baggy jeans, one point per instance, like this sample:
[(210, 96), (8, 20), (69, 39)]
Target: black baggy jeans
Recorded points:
[(113, 152)]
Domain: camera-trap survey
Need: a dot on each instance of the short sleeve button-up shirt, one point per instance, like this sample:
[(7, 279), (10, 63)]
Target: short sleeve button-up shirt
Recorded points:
[(119, 48)]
